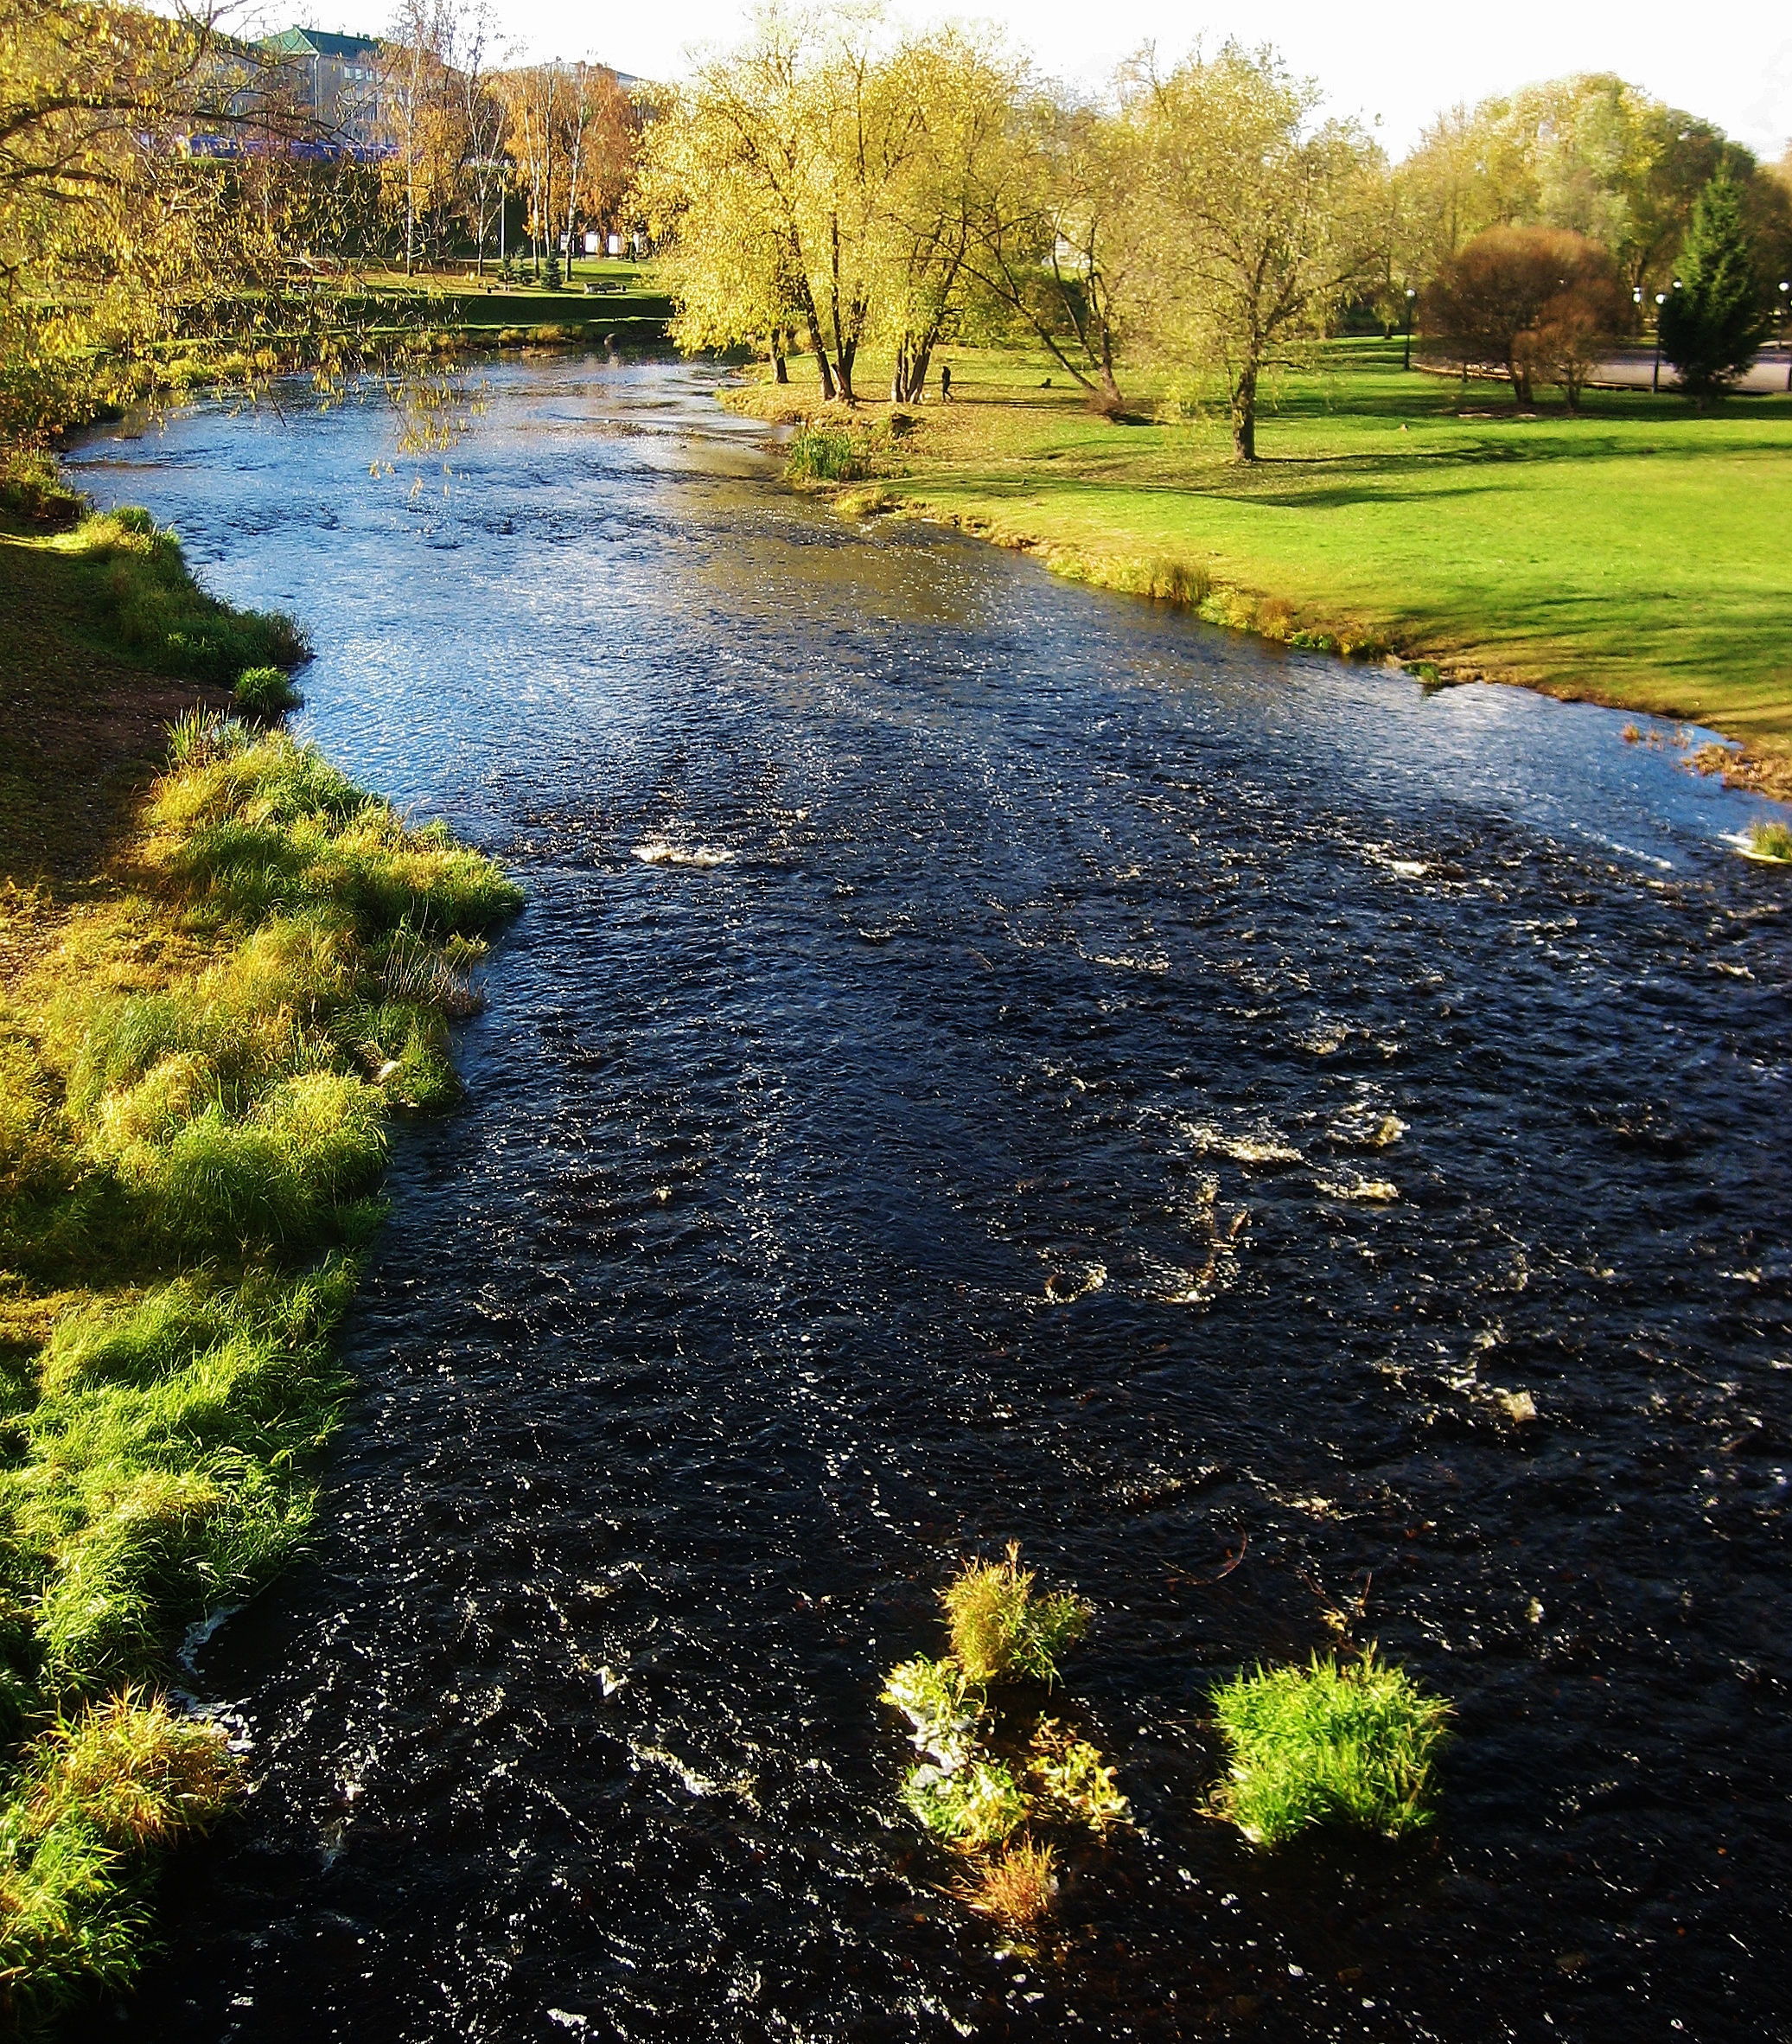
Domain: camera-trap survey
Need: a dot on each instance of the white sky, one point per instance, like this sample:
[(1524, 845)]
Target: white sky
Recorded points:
[(1400, 59)]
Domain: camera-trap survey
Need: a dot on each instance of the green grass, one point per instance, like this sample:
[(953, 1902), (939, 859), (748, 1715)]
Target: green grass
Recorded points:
[(203, 1035), (140, 598), (266, 692), (1771, 841), (1630, 555), (1337, 1742)]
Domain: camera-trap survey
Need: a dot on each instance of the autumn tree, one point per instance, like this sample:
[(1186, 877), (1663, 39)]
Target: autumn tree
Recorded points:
[(1059, 246), (1491, 306), (1262, 221), (764, 184)]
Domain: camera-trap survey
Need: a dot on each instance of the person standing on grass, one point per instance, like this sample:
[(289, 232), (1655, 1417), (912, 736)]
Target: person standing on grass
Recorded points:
[(944, 383)]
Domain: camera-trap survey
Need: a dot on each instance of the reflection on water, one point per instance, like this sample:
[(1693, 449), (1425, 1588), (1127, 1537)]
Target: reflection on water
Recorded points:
[(982, 1057)]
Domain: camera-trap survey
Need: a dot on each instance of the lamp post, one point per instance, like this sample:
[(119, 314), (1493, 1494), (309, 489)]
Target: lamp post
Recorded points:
[(1407, 361), (1655, 381), (1785, 286)]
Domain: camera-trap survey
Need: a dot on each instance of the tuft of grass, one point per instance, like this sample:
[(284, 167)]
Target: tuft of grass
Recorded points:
[(266, 692), (971, 1810), (1017, 1887), (100, 1791), (1186, 583), (1770, 841), (1001, 1631), (827, 454), (1336, 1742), (1069, 1777)]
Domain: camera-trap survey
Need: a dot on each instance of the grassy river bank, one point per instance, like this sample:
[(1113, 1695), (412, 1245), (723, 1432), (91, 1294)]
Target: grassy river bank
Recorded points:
[(1626, 556), (223, 967)]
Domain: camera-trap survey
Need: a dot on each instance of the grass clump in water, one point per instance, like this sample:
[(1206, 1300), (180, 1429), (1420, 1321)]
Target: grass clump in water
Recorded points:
[(1335, 1742), (940, 1703), (1017, 1886), (827, 454), (1771, 841), (1067, 1773), (982, 1781), (266, 692), (1001, 1631)]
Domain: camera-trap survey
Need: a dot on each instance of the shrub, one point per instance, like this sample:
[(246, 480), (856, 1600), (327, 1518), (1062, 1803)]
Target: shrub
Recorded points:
[(1001, 1631), (266, 692), (1347, 1742), (1770, 840), (1525, 298)]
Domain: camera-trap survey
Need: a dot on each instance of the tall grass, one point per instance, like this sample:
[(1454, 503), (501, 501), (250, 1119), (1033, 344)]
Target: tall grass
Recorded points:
[(142, 599), (1337, 1742), (192, 1100), (827, 454), (1001, 1630)]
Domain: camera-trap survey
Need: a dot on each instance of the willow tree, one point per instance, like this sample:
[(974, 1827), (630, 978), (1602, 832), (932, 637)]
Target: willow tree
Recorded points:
[(1061, 246), (1264, 223)]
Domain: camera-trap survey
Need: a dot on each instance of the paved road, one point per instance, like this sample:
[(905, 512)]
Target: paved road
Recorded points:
[(1632, 369)]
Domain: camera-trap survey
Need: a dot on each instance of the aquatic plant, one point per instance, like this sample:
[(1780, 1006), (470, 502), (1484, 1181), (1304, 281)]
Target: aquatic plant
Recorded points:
[(1001, 1631), (940, 1704), (1770, 840), (972, 1808), (266, 692), (1017, 1886), (1347, 1742), (1069, 1777)]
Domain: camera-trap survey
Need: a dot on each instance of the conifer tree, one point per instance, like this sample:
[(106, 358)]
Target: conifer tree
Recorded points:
[(1712, 322)]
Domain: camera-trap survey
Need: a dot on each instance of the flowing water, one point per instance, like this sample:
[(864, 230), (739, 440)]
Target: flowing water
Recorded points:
[(985, 1060)]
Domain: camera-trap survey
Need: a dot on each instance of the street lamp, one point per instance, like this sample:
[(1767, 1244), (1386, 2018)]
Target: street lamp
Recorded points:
[(1410, 294), (1785, 286), (1655, 381)]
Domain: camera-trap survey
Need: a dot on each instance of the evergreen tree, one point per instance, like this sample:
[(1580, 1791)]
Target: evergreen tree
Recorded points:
[(1713, 324)]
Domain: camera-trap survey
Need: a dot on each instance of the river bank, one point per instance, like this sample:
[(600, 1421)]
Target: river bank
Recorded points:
[(223, 967), (1624, 556)]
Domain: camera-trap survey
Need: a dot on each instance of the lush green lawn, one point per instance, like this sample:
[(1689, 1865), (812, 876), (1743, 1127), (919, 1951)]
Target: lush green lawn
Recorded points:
[(614, 295), (1635, 555)]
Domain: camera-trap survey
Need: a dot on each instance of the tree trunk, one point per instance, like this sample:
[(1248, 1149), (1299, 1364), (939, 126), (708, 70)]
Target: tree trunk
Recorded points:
[(1244, 415), (813, 319), (780, 374), (842, 371)]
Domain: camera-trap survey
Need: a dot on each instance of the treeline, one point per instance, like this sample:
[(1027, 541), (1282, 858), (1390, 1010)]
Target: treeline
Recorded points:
[(831, 187), (464, 134)]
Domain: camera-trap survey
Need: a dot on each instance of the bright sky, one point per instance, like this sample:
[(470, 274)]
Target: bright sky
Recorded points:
[(1398, 57)]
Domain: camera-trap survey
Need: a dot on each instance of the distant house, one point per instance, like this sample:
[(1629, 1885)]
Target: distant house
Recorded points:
[(339, 82)]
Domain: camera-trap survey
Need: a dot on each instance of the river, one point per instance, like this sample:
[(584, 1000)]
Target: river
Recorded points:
[(984, 1058)]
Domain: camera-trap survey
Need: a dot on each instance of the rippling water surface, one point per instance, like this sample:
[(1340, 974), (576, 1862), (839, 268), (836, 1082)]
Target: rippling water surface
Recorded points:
[(982, 1058)]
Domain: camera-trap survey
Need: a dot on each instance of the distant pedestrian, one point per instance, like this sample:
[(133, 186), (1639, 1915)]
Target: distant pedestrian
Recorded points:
[(944, 383)]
